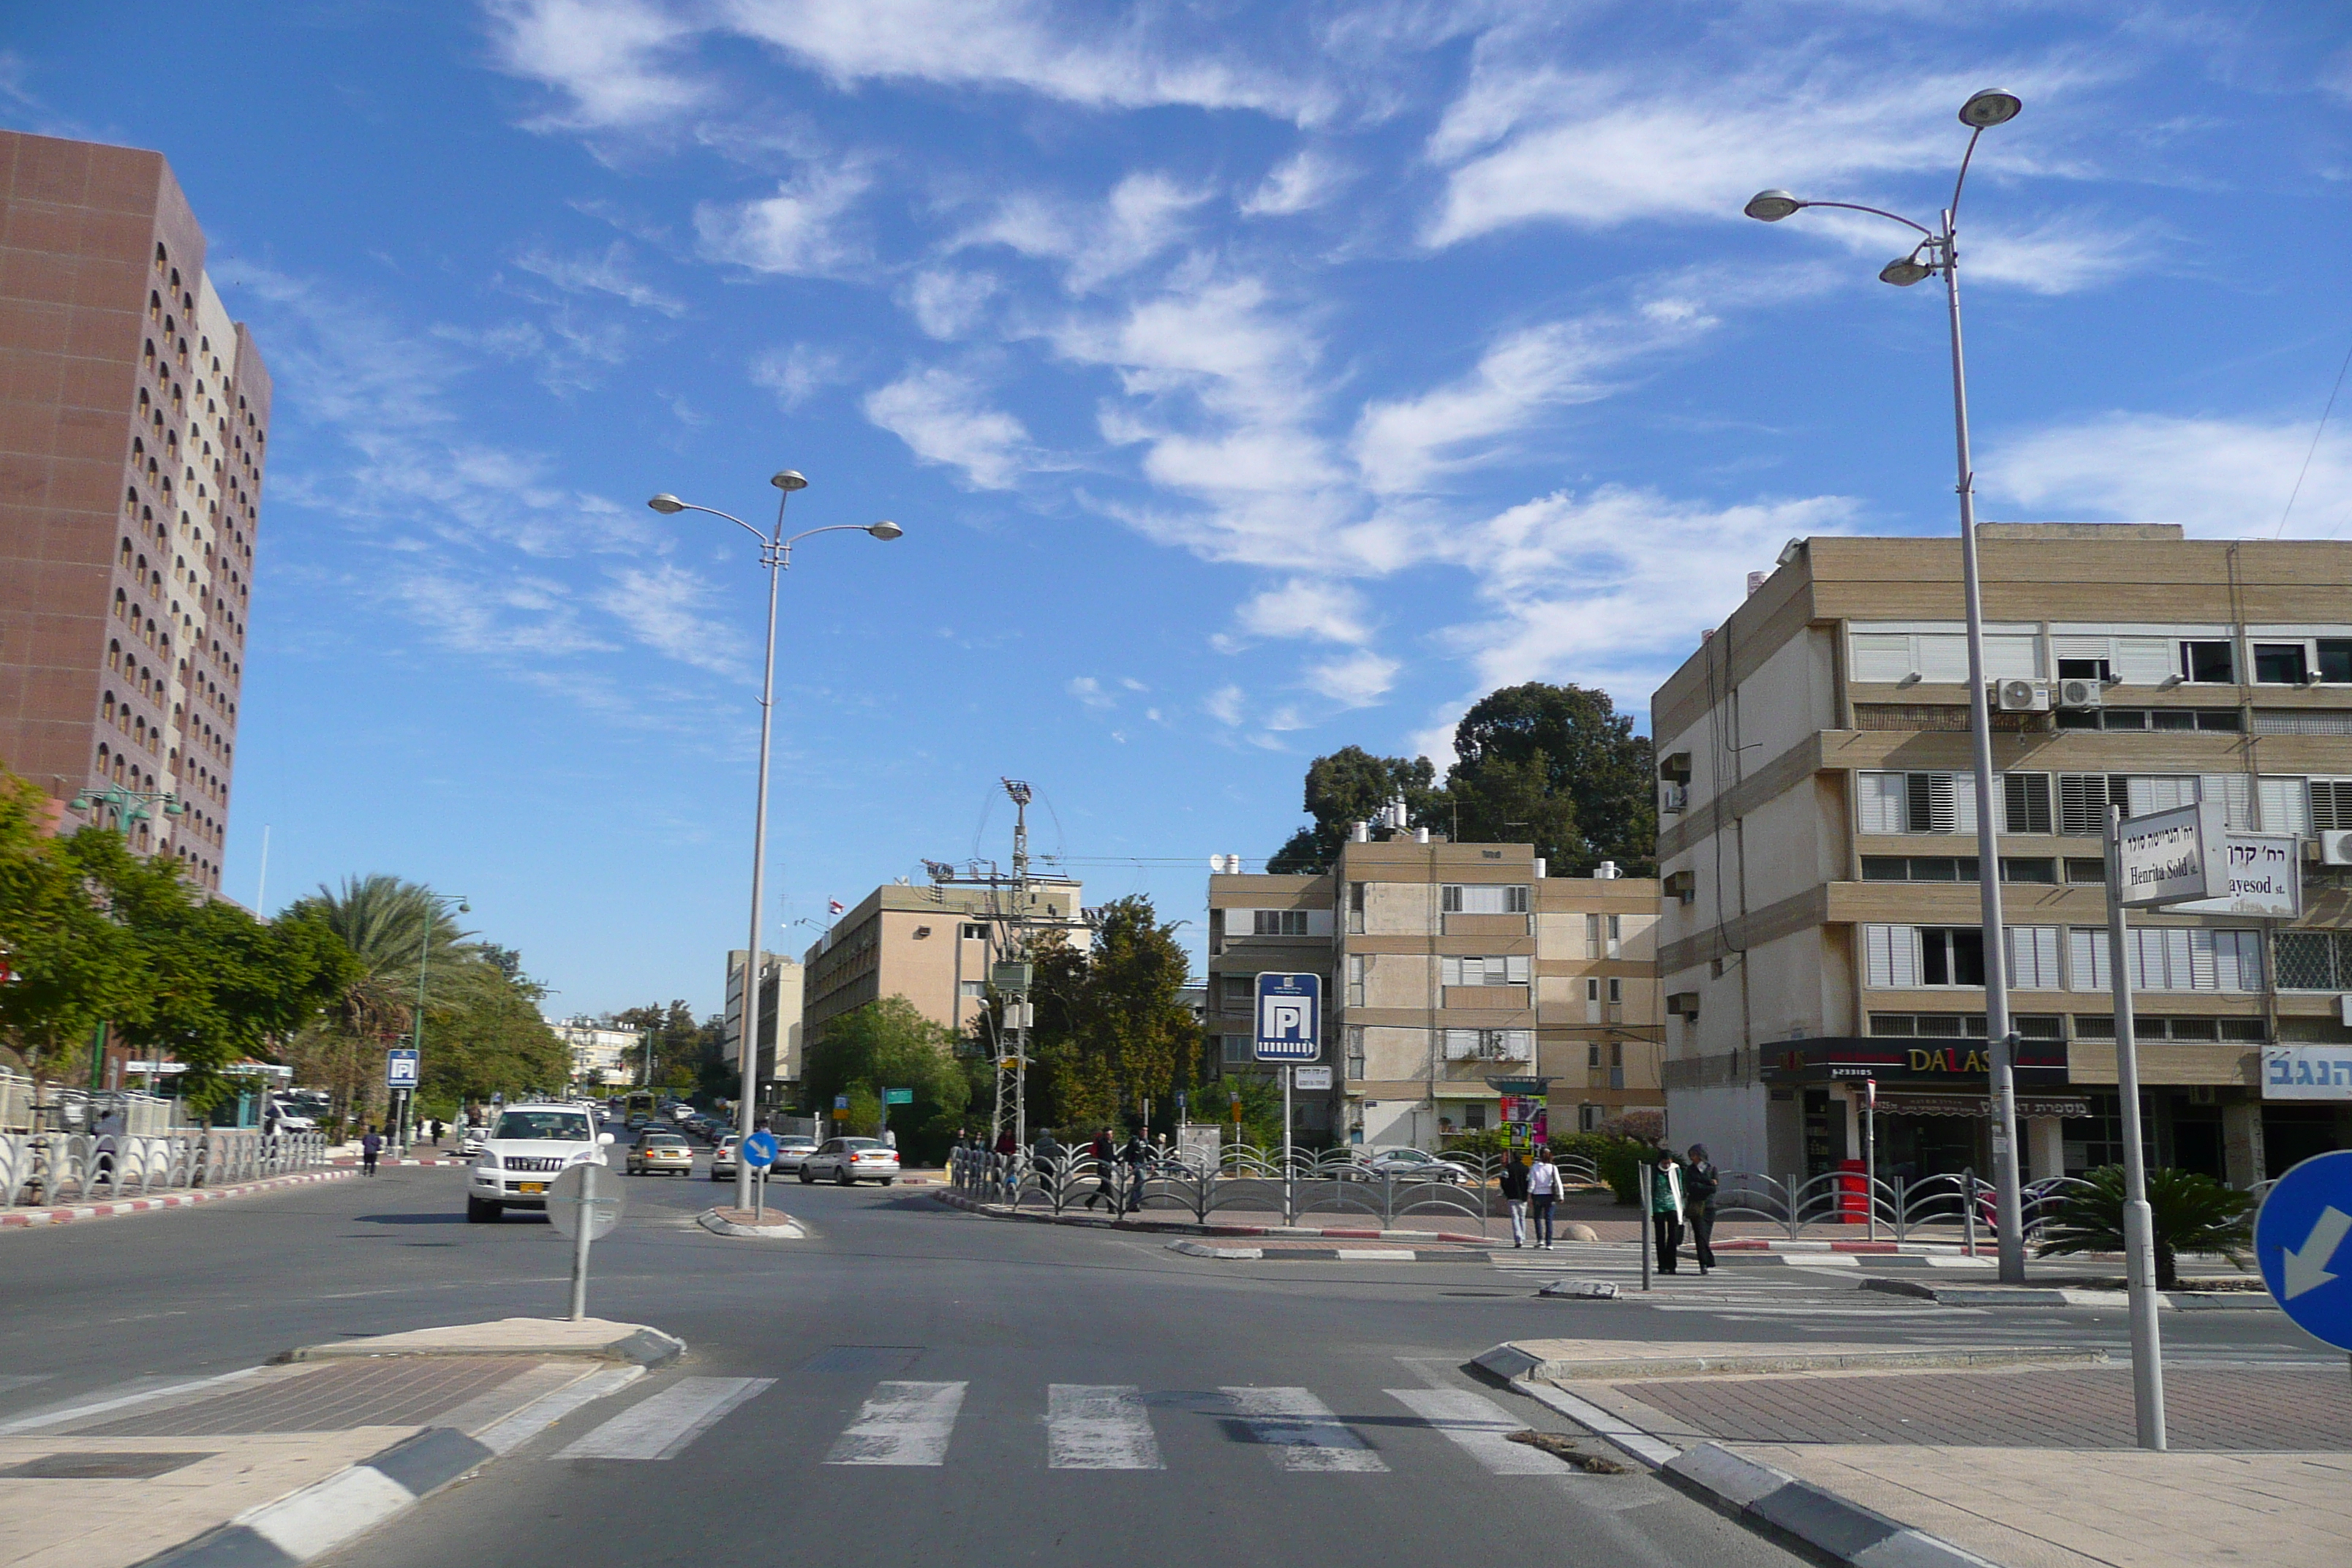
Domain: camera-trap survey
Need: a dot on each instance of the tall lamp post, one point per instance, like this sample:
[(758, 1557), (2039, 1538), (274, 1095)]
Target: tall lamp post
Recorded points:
[(1937, 252), (433, 903), (776, 555)]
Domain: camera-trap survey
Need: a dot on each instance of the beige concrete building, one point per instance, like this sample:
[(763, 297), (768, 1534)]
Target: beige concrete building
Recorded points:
[(931, 945), (1818, 849), (602, 1053), (779, 1066), (1445, 965)]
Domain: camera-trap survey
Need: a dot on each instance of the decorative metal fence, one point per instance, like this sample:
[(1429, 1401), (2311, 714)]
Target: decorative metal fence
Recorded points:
[(1891, 1208), (49, 1168)]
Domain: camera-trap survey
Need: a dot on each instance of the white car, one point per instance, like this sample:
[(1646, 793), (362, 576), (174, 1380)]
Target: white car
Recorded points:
[(527, 1148), (848, 1160), (792, 1152), (1413, 1165)]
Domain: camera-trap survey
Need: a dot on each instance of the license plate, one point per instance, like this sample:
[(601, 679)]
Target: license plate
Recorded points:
[(530, 1186)]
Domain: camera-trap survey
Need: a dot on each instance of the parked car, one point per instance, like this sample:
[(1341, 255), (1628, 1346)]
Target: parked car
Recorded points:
[(1413, 1165), (847, 1161), (792, 1152), (527, 1148), (664, 1152)]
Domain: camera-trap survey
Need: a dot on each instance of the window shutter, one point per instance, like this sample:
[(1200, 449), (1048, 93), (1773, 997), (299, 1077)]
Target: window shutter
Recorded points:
[(2033, 958), (1516, 970), (1449, 971), (2083, 802), (1882, 807), (2087, 959), (2084, 648), (2010, 657), (1880, 656), (1934, 802), (2236, 793), (2180, 967), (1893, 956), (2145, 793), (2025, 801), (1943, 657), (2144, 661), (2203, 971), (1879, 974), (1964, 802), (2286, 803), (2331, 803)]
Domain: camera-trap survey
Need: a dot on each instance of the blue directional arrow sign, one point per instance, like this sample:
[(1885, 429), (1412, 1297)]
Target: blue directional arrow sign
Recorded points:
[(760, 1150), (2299, 1244), (1289, 1018)]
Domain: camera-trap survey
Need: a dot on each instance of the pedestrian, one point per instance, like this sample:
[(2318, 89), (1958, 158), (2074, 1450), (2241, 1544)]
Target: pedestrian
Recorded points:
[(1105, 1154), (1666, 1207), (440, 1128), (1005, 1147), (370, 1147), (889, 1138), (1543, 1191), (1137, 1157), (1048, 1152), (1702, 1182), (1514, 1183)]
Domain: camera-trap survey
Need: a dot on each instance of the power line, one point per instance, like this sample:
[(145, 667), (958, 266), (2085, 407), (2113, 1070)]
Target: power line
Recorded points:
[(2316, 434)]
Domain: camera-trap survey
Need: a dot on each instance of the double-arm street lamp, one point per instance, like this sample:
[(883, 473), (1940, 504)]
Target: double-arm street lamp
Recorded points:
[(776, 555), (1937, 252)]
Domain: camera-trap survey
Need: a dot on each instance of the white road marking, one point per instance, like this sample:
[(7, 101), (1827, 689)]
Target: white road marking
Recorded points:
[(660, 1428), (1481, 1427), (901, 1423), (1099, 1426), (510, 1433), (1303, 1430)]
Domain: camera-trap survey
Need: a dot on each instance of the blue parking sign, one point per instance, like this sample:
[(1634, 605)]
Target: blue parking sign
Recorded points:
[(1289, 1018), (2299, 1236)]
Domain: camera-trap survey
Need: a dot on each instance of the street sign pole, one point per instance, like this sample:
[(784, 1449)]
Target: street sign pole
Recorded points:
[(1289, 1204), (583, 1203), (1289, 1031), (580, 1239)]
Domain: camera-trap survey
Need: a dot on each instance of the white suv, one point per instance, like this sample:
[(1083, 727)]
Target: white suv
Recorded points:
[(526, 1151)]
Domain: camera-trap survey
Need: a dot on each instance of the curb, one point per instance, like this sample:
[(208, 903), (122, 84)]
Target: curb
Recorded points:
[(786, 1228), (26, 1220), (1912, 1248), (2114, 1300), (352, 1161), (643, 1347), (1192, 1228), (1512, 1362), (1316, 1254)]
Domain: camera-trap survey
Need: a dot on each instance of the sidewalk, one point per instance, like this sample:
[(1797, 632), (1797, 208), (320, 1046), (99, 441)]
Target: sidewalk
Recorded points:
[(2026, 1466), (23, 1219)]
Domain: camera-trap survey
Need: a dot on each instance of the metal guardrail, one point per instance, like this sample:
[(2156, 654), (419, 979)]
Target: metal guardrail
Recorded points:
[(52, 1168), (1893, 1208), (1339, 1182)]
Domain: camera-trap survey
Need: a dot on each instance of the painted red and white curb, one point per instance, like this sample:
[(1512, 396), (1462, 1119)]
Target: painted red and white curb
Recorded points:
[(1767, 1244), (24, 1219), (352, 1161)]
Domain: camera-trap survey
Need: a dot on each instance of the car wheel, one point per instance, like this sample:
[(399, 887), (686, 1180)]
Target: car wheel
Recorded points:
[(841, 1178), (806, 1177), (479, 1212)]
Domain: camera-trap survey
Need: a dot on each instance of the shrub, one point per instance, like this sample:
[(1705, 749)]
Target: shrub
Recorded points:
[(2189, 1212)]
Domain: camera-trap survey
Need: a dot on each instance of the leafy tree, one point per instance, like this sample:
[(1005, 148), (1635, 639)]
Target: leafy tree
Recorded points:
[(1113, 1030), (887, 1044), (1560, 765), (1352, 785), (2190, 1213), (678, 1043), (74, 966)]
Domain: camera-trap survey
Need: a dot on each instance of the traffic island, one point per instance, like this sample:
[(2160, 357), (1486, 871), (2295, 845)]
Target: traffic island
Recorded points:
[(753, 1224), (598, 1339)]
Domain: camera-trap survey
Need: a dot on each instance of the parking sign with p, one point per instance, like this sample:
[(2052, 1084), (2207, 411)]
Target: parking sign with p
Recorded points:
[(1289, 1018)]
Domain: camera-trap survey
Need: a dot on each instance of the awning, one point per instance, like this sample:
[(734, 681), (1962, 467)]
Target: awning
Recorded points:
[(1906, 1063), (1978, 1105)]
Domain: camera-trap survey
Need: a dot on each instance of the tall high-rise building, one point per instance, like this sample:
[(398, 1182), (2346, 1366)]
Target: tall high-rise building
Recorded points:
[(134, 415)]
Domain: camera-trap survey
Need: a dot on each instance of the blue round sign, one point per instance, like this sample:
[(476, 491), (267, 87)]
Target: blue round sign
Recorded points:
[(760, 1150), (2299, 1245)]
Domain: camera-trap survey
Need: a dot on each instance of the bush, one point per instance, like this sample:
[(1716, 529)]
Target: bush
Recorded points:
[(2189, 1213), (1617, 1159)]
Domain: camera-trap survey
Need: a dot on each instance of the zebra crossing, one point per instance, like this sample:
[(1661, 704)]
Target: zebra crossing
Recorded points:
[(914, 1423)]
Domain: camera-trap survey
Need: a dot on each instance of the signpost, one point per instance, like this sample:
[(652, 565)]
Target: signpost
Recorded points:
[(758, 1152), (2164, 859), (1289, 1030), (2299, 1234), (583, 1205), (400, 1075)]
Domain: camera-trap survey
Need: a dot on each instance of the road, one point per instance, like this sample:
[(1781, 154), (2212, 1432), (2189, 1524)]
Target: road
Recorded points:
[(1312, 1411)]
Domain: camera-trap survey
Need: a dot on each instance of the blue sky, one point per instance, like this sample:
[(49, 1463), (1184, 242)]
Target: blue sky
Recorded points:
[(1250, 381)]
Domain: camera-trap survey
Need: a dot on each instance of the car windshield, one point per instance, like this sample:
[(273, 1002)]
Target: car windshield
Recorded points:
[(554, 1126)]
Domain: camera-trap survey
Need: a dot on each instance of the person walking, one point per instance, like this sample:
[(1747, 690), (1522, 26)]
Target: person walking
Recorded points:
[(1543, 1191), (1666, 1207), (1514, 1184), (1701, 1181), (1105, 1154), (1137, 1157), (370, 1147)]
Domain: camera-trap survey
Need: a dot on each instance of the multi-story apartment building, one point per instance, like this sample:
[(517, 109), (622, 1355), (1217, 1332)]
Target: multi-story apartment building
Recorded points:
[(134, 419), (1447, 967), (778, 1069), (1818, 845), (602, 1054), (931, 945)]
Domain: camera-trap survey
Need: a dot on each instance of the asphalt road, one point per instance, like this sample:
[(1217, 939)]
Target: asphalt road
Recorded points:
[(1295, 1410)]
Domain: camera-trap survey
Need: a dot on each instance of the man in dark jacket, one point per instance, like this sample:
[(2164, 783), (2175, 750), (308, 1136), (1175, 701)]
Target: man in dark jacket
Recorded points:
[(1137, 1157), (370, 1147), (1514, 1183), (1105, 1154), (1701, 1181)]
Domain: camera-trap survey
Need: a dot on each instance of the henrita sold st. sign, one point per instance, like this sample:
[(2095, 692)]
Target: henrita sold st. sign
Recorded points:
[(2175, 856)]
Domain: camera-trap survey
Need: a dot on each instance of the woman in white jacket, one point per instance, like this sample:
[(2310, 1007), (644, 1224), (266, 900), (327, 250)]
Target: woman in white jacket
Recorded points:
[(1543, 1191)]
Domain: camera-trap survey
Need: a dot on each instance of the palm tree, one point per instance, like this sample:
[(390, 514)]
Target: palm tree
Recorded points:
[(2190, 1213), (391, 926)]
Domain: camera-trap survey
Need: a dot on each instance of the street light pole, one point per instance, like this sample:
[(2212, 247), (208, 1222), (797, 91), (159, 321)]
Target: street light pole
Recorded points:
[(776, 555), (1982, 112), (432, 902)]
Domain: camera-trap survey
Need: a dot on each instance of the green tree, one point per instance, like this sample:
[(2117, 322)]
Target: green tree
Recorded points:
[(2190, 1213), (677, 1042), (1113, 1030), (1561, 766), (74, 967), (887, 1044), (1352, 785)]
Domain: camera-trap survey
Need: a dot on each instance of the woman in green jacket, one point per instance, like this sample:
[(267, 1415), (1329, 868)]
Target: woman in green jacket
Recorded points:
[(1667, 1208)]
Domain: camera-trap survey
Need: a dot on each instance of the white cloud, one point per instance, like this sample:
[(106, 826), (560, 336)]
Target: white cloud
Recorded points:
[(1357, 680), (2221, 478), (943, 419), (795, 232), (946, 303), (798, 372), (606, 274), (1300, 183), (1224, 705), (609, 57), (662, 606), (1306, 607), (1090, 691), (1146, 212)]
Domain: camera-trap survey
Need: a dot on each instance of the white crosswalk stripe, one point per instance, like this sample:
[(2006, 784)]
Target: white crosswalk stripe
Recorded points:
[(901, 1423), (660, 1428), (1481, 1427), (1099, 1426), (1302, 1430)]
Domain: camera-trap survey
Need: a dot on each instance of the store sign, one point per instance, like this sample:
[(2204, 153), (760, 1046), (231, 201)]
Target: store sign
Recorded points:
[(2265, 878), (2175, 856), (2308, 1072)]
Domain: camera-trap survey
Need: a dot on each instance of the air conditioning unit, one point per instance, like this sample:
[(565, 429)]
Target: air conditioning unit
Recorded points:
[(2020, 696), (2335, 846), (2080, 694)]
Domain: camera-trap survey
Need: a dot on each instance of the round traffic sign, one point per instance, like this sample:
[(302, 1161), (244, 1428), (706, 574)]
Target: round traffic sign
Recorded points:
[(585, 1186), (2299, 1236), (760, 1150)]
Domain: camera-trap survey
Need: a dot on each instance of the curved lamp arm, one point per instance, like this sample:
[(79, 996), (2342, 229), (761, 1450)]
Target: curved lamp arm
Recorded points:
[(1879, 212), (689, 506)]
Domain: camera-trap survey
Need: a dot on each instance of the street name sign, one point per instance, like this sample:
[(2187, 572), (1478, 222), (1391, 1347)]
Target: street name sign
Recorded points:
[(587, 1187), (1312, 1077), (2299, 1246), (2308, 1072), (760, 1150), (2265, 878), (400, 1069), (898, 1097), (2175, 856), (1289, 1018)]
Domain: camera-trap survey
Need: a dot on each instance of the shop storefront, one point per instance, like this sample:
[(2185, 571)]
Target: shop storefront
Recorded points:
[(1934, 1109)]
